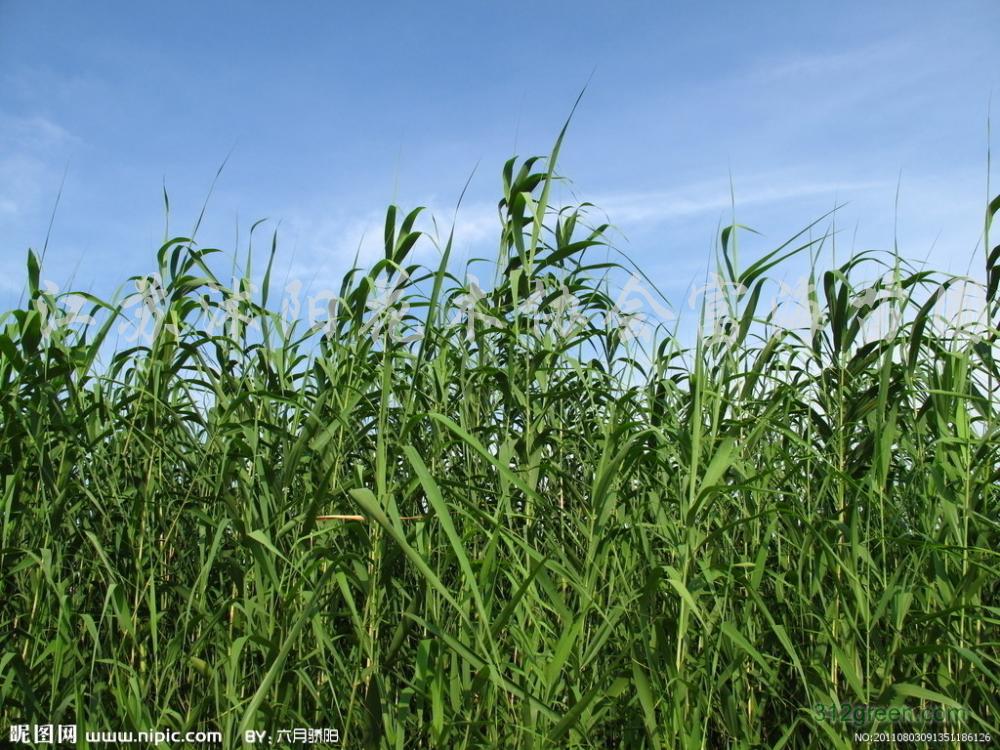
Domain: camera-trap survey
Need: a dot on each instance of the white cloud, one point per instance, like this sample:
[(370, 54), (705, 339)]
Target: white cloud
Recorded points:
[(825, 64), (29, 173), (33, 132), (326, 247), (631, 209)]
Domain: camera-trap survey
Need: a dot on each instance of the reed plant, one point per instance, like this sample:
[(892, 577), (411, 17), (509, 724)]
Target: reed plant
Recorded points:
[(443, 518)]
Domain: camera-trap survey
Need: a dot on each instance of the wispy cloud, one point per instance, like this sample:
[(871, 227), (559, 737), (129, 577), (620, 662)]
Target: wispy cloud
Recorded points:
[(32, 146), (33, 131), (825, 65), (653, 207), (325, 247)]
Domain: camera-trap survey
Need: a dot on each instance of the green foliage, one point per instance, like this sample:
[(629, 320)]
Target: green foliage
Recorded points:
[(566, 541)]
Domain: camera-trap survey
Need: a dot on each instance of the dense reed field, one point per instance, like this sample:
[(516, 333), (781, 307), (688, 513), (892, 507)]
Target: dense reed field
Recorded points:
[(447, 518)]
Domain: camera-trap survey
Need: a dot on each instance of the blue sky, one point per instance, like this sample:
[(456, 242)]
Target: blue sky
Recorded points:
[(333, 110)]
